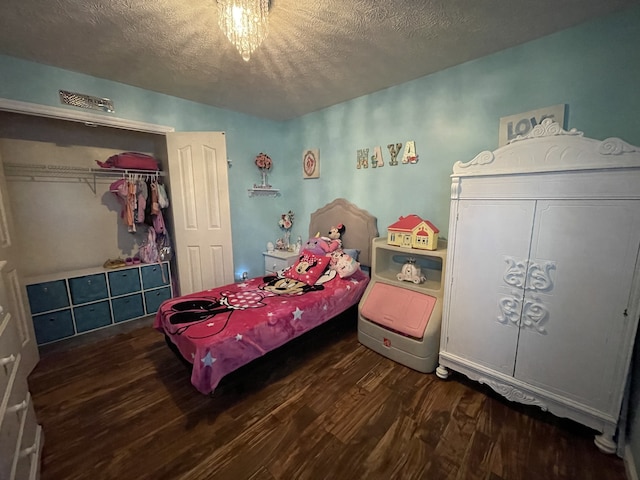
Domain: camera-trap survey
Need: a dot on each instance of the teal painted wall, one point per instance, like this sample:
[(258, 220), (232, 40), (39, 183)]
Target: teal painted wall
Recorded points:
[(451, 115), (454, 114), (246, 137)]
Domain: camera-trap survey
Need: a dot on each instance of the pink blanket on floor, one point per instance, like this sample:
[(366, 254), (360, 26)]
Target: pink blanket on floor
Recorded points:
[(222, 329)]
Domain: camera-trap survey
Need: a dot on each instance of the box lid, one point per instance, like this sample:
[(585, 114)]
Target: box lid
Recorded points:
[(399, 309)]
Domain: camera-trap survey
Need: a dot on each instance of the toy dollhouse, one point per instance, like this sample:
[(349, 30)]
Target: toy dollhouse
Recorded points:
[(413, 232)]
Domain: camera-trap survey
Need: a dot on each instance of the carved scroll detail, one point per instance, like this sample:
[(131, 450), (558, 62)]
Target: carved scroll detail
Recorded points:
[(533, 276), (483, 158), (513, 394), (539, 276), (534, 315), (515, 275), (455, 188), (547, 128), (615, 146), (510, 307)]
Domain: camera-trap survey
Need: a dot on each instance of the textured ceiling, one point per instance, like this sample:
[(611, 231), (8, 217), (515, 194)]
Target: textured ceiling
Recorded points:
[(318, 53)]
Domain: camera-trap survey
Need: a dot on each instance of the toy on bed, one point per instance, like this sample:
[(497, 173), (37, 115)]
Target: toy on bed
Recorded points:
[(343, 262), (218, 330), (326, 244)]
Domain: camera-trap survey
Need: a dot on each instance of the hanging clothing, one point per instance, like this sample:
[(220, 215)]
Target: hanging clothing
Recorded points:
[(141, 197), (121, 188), (131, 206), (155, 205)]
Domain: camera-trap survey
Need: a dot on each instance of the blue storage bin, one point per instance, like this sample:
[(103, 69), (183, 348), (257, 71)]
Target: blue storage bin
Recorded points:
[(88, 288), (53, 326), (92, 316), (47, 296), (128, 307), (155, 275), (154, 298), (125, 281)]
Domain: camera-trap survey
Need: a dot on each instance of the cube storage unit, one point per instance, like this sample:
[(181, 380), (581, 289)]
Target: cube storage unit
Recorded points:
[(401, 319), (72, 303)]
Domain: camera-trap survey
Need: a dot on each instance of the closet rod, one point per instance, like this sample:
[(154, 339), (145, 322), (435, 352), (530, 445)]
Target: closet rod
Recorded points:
[(33, 171), (19, 169)]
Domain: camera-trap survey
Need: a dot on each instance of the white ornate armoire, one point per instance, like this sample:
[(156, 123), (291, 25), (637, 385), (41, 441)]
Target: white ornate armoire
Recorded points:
[(542, 286)]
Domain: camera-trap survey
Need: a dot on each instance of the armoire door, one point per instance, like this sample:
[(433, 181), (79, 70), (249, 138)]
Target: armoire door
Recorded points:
[(572, 343), (199, 190), (490, 242)]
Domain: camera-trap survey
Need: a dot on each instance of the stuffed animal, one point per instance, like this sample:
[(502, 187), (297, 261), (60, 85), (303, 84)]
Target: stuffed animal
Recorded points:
[(333, 241), (323, 245), (343, 264)]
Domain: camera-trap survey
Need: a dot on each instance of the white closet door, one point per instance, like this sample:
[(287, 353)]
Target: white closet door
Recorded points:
[(15, 308), (575, 352), (199, 189), (489, 262)]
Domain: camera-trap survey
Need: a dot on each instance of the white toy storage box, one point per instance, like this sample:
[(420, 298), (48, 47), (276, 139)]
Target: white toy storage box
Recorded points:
[(401, 319)]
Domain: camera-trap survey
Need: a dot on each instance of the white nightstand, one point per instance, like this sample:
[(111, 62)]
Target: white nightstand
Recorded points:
[(278, 260)]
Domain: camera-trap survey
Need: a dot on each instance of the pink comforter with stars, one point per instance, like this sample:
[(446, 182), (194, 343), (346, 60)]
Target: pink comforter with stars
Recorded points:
[(222, 329)]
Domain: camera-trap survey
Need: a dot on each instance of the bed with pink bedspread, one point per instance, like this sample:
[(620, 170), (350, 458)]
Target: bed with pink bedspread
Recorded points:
[(219, 330)]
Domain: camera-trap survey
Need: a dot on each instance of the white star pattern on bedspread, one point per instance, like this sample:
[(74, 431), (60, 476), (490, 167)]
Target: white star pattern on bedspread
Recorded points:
[(208, 359), (221, 329)]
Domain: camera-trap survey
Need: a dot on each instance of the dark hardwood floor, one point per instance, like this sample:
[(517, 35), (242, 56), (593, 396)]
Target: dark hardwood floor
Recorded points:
[(321, 407)]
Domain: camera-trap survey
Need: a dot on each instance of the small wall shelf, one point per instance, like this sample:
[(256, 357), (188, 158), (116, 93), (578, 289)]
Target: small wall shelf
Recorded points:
[(263, 192), (264, 189)]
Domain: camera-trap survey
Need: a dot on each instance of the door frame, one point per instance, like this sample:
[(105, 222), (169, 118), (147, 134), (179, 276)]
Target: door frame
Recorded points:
[(88, 118)]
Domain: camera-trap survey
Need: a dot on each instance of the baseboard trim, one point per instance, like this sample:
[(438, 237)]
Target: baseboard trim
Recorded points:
[(630, 464)]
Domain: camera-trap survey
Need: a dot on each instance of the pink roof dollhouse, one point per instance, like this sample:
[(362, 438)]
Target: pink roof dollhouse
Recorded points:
[(413, 232)]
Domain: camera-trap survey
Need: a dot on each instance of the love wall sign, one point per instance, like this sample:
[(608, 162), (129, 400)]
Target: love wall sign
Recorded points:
[(409, 155), (522, 123)]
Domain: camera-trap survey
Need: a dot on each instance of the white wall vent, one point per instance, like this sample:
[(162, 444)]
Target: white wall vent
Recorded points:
[(86, 101)]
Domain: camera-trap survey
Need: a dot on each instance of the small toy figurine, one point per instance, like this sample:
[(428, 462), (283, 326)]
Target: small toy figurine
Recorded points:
[(323, 245), (411, 272), (413, 232), (333, 241)]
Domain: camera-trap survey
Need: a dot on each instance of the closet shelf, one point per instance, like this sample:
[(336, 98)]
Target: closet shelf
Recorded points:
[(83, 174)]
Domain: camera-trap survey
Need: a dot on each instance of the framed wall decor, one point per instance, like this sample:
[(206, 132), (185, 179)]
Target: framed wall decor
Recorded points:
[(311, 163)]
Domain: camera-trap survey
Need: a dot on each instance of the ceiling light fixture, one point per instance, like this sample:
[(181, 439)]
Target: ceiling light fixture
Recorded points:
[(245, 23)]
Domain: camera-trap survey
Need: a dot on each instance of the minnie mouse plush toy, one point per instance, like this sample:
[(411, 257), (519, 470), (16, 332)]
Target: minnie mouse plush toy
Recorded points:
[(333, 241), (323, 245)]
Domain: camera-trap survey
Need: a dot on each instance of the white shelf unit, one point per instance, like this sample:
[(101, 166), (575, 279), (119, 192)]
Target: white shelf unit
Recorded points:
[(67, 304), (387, 260)]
